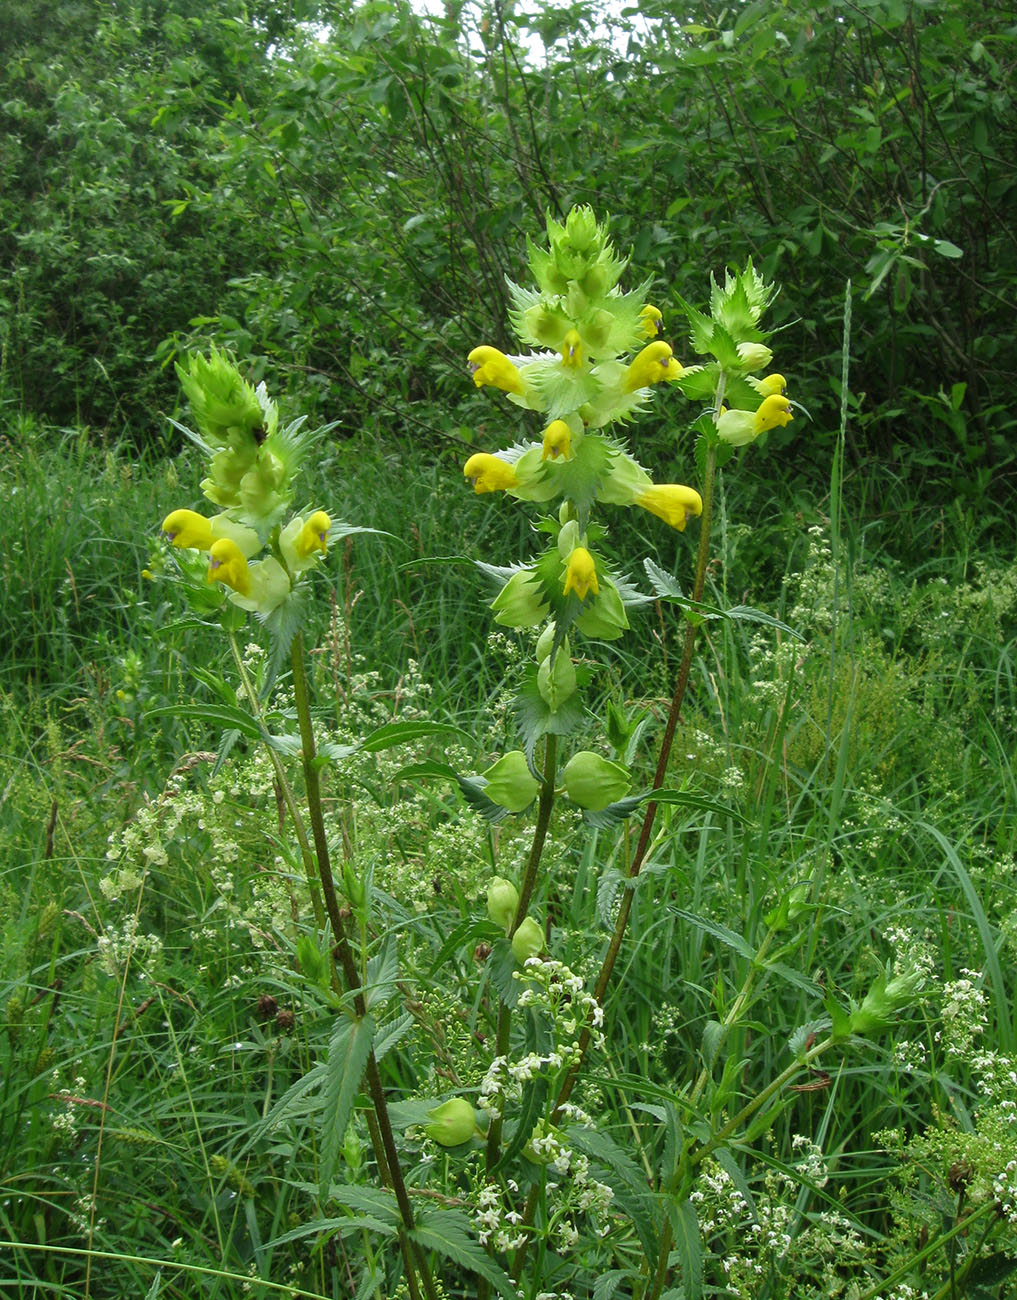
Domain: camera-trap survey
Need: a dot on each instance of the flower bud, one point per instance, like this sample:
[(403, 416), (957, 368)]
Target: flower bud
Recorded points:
[(528, 940), (502, 901), (510, 782), (545, 643), (754, 356), (452, 1123), (568, 538), (594, 782)]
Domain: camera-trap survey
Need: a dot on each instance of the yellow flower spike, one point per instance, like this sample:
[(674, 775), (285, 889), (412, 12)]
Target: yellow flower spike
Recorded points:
[(572, 350), (581, 574), (776, 409), (226, 564), (771, 384), (655, 363), (314, 535), (489, 473), (188, 529), (671, 502), (653, 322), (493, 367), (557, 441)]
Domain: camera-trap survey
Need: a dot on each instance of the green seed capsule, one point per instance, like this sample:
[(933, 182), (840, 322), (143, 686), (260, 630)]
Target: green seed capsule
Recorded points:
[(528, 941), (594, 782), (452, 1123), (502, 901)]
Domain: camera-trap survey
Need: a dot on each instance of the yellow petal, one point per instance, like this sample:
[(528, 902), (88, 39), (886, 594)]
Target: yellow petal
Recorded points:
[(653, 322), (671, 502), (655, 363), (776, 409), (581, 574), (493, 367), (226, 564), (489, 473), (188, 529), (557, 441)]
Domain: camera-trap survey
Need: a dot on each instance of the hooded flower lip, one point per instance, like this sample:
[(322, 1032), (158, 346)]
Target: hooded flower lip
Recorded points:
[(313, 535), (581, 574), (226, 563), (671, 502), (493, 367), (775, 410), (188, 529), (489, 473), (572, 350), (557, 441), (655, 363), (771, 384), (653, 322)]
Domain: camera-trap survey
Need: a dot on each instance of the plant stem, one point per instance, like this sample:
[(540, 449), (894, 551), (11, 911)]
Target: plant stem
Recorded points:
[(645, 834), (544, 806), (382, 1135), (289, 798)]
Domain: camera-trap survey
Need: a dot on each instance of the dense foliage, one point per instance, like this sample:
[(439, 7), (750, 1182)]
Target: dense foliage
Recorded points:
[(338, 194)]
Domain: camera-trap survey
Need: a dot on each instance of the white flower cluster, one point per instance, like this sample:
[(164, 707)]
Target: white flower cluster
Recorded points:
[(495, 1225)]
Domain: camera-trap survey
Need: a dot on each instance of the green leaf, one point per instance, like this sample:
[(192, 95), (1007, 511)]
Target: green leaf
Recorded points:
[(348, 1050), (718, 931), (449, 1233), (685, 1228), (398, 733), (213, 715), (472, 787)]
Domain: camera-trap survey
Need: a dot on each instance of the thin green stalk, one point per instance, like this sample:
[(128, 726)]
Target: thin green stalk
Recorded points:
[(382, 1135), (649, 817), (545, 804), (693, 1158), (289, 798), (947, 1289)]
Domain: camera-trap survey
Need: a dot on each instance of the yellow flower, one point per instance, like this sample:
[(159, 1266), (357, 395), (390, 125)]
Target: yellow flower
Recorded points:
[(313, 536), (581, 574), (489, 473), (771, 384), (226, 564), (557, 441), (493, 367), (655, 363), (188, 529), (776, 409), (671, 502), (572, 350), (653, 322)]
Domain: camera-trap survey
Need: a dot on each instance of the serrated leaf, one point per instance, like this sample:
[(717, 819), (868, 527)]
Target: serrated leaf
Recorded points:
[(719, 932), (398, 733), (608, 885), (746, 614), (217, 715), (501, 968), (992, 1270), (614, 813), (608, 1283), (662, 582), (683, 799), (348, 1050), (282, 625), (472, 787), (714, 1034), (685, 1228), (449, 1233), (626, 1179), (227, 741)]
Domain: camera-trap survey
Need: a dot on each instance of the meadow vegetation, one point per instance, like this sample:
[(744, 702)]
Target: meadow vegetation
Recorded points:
[(807, 1084)]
